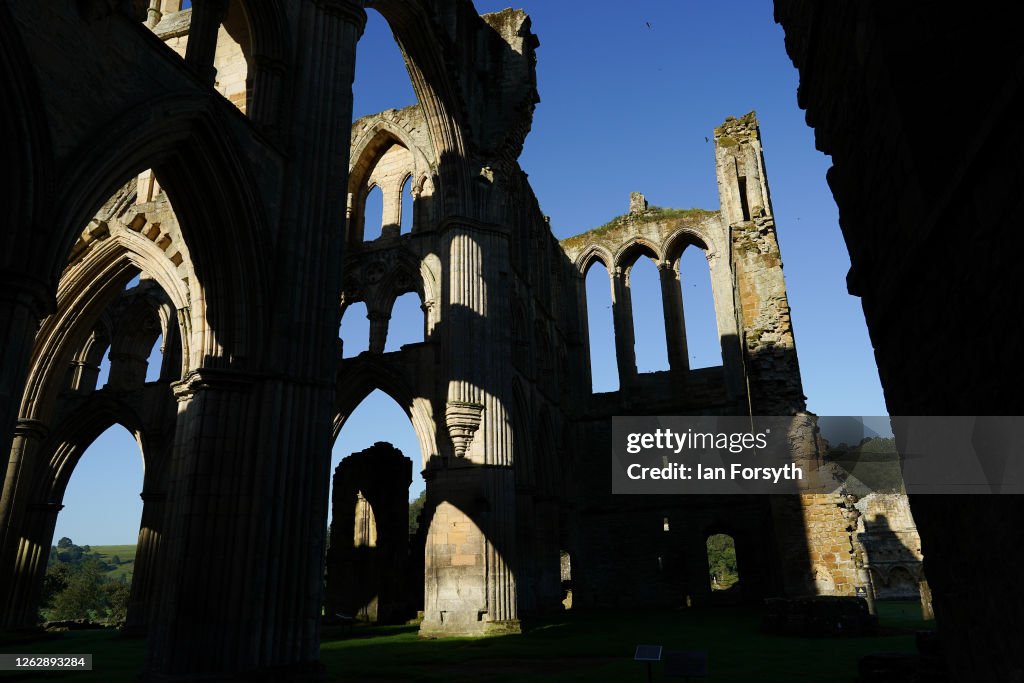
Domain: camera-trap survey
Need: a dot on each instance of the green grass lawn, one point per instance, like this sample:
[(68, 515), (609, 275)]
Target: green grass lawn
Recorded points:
[(575, 646)]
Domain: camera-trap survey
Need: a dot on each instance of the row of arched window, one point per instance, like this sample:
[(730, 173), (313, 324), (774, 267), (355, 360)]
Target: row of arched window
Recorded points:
[(406, 326), (648, 313), (373, 211)]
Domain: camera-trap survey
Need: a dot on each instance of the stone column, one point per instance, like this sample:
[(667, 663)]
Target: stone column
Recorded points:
[(23, 304), (378, 331), (153, 14), (249, 477), (15, 531), (207, 16), (147, 562), (127, 371), (33, 551), (622, 317), (84, 376), (471, 552), (675, 327), (265, 88)]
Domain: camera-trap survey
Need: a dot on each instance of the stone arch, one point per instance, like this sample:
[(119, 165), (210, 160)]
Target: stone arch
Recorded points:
[(59, 456), (594, 253), (88, 357), (367, 374), (632, 250), (729, 539), (407, 276), (400, 272), (684, 237), (384, 132), (436, 91), (189, 145), (99, 280), (73, 436), (597, 327), (407, 221)]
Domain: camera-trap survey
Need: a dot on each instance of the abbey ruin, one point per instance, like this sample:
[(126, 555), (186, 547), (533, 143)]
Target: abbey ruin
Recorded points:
[(219, 167)]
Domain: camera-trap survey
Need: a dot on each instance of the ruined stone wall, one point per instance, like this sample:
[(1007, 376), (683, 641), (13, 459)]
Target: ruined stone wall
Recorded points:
[(892, 545), (369, 552), (230, 60), (785, 545)]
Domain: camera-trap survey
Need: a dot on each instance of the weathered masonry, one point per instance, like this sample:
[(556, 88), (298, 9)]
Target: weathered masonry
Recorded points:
[(220, 167)]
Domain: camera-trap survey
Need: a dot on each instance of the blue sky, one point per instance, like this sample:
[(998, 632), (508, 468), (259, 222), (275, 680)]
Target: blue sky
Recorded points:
[(629, 94)]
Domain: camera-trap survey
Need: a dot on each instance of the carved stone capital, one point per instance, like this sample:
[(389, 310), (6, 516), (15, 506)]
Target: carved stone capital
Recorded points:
[(31, 429), (463, 420), (350, 11)]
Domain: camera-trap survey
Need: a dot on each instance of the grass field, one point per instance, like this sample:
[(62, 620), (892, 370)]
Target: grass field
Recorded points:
[(575, 646), (125, 552)]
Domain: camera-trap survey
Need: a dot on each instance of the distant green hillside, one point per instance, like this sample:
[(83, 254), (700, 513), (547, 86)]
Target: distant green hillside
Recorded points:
[(116, 562), (124, 553)]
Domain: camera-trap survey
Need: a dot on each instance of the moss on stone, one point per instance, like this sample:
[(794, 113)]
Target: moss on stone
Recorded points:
[(653, 214)]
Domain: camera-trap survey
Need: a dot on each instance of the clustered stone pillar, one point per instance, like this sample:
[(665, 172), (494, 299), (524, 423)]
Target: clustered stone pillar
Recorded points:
[(22, 305), (249, 476), (147, 562), (17, 552), (470, 584), (369, 553)]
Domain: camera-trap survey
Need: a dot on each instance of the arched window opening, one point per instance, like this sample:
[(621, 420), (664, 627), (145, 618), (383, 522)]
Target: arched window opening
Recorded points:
[(104, 373), (408, 206), (92, 558), (383, 82), (604, 372), (231, 60), (373, 214), (648, 316), (407, 324), (702, 342), (355, 330), (379, 418), (722, 569), (84, 373), (154, 363), (372, 508)]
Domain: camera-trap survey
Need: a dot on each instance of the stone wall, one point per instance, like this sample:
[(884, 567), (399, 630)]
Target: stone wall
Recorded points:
[(369, 554)]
